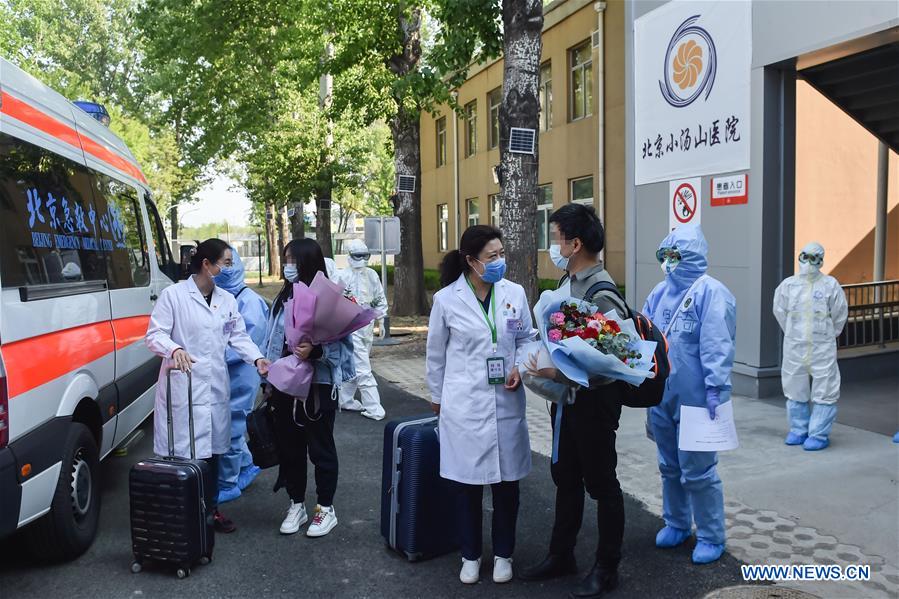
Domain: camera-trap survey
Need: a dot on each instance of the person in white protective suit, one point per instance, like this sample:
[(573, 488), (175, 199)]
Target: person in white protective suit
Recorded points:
[(811, 309), (365, 285)]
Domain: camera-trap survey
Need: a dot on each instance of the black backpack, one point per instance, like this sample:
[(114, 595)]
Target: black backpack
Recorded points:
[(650, 391)]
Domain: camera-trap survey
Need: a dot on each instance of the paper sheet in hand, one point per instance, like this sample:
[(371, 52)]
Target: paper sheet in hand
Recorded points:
[(698, 432)]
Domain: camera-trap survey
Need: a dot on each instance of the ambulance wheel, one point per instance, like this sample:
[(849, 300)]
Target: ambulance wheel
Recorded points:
[(136, 568), (71, 525)]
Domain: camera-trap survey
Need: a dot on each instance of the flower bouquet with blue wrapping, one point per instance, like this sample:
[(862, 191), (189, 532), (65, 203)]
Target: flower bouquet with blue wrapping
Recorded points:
[(583, 343)]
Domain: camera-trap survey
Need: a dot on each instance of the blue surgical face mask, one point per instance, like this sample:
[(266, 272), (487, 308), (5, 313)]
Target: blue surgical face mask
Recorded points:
[(493, 271), (291, 273), (555, 254)]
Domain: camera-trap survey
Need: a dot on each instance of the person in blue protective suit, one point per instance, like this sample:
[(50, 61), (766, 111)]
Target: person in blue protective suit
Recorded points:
[(236, 469), (698, 314)]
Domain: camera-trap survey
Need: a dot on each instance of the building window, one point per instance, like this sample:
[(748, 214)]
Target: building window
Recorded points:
[(546, 97), (582, 191), (494, 100), (494, 210), (442, 227), (544, 209), (471, 128), (473, 211), (581, 81), (441, 141)]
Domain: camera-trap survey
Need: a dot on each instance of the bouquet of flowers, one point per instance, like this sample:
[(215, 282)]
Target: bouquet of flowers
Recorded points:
[(320, 313), (582, 343)]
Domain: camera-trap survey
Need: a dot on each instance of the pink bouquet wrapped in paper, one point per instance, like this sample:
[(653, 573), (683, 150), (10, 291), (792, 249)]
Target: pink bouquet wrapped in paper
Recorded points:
[(319, 314)]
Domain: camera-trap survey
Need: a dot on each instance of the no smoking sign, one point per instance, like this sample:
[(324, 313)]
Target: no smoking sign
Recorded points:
[(684, 202)]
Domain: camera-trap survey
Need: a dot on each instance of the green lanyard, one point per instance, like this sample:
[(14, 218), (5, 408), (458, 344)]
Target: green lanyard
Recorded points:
[(490, 325)]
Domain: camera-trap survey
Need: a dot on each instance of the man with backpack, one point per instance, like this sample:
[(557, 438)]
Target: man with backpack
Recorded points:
[(698, 315), (584, 455)]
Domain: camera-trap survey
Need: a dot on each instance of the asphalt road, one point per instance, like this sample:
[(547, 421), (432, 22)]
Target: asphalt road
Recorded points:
[(352, 561)]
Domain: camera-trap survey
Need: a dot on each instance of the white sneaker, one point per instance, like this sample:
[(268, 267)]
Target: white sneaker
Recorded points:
[(324, 520), (373, 416), (502, 569), (471, 571), (296, 517)]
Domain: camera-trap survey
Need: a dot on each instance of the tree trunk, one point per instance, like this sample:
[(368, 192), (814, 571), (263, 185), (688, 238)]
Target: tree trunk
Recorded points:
[(522, 46), (274, 258), (297, 223), (281, 221), (409, 295), (323, 219), (173, 223)]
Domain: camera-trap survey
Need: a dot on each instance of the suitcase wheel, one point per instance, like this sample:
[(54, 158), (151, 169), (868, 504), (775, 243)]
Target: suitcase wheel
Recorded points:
[(136, 567), (182, 573), (205, 560)]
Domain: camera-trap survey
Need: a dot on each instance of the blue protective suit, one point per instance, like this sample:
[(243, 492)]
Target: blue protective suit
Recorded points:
[(244, 377), (701, 350)]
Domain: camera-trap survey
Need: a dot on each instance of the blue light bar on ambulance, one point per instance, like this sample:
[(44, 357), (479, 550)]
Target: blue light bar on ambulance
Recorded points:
[(98, 111)]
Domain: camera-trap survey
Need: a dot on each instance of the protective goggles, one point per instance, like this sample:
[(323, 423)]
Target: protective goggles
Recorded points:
[(813, 259), (670, 254), (365, 256)]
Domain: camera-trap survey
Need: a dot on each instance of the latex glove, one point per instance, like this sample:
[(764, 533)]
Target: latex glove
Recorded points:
[(712, 401)]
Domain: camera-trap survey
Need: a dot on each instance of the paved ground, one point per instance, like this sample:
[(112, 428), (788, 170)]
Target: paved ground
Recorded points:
[(352, 561), (783, 505)]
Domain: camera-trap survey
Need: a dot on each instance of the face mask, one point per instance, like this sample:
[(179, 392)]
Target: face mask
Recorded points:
[(806, 269), (555, 254), (668, 265), (291, 273), (493, 271)]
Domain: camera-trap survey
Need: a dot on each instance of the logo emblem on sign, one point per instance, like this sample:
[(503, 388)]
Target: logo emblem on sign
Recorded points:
[(690, 65)]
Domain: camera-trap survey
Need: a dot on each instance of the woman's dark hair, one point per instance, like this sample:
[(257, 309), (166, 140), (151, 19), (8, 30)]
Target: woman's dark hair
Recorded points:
[(576, 221), (473, 241), (308, 256), (212, 249)]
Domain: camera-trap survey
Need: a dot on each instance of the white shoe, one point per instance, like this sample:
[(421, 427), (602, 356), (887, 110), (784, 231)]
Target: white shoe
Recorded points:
[(353, 406), (373, 416), (471, 571), (502, 569), (296, 517), (324, 520)]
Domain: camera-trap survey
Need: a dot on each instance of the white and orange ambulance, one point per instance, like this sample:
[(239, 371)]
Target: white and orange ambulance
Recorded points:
[(83, 257)]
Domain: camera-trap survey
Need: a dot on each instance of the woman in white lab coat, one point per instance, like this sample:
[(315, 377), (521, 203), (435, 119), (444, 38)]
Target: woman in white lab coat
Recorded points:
[(190, 327), (478, 324)]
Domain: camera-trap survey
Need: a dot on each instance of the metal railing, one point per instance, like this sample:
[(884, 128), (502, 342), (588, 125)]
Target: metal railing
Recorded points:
[(873, 314)]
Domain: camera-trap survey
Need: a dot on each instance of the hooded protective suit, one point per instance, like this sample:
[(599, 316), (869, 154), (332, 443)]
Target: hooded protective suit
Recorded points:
[(701, 314), (243, 377), (365, 285), (811, 309)]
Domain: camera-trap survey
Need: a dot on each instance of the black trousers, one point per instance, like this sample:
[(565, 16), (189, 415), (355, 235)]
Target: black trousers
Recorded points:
[(469, 502), (587, 460), (299, 436)]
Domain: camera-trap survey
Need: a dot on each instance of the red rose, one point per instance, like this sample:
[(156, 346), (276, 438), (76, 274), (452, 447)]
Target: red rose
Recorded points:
[(614, 326)]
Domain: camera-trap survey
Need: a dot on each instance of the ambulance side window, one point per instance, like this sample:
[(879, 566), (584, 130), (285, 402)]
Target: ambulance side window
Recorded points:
[(160, 242), (129, 263), (50, 221)]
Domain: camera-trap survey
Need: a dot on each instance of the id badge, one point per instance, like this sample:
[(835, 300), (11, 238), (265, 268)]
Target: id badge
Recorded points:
[(229, 326), (496, 371), (514, 325)]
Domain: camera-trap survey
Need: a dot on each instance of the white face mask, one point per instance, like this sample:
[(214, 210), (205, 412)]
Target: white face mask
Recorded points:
[(555, 254), (668, 266), (291, 273), (354, 263)]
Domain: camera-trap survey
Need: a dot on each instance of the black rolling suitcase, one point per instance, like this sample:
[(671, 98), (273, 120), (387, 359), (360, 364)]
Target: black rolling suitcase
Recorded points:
[(171, 503), (417, 505)]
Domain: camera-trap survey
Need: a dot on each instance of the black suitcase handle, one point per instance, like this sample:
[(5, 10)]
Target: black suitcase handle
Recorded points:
[(190, 413)]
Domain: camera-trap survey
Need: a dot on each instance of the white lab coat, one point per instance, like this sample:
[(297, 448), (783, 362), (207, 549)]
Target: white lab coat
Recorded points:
[(181, 319), (483, 428)]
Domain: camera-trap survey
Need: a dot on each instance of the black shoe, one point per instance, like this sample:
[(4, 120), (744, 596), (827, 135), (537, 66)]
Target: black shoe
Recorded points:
[(596, 583), (554, 566)]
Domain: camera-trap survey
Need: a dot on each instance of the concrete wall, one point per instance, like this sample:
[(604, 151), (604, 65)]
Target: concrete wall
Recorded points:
[(569, 150)]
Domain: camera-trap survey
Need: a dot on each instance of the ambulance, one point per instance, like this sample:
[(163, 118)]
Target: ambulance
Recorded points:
[(83, 258)]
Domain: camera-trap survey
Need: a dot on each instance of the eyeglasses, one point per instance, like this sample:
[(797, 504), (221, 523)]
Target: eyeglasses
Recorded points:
[(813, 259), (365, 256), (672, 254)]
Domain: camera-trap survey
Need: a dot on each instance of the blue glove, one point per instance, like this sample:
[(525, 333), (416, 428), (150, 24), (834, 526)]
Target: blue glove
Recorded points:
[(712, 401)]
